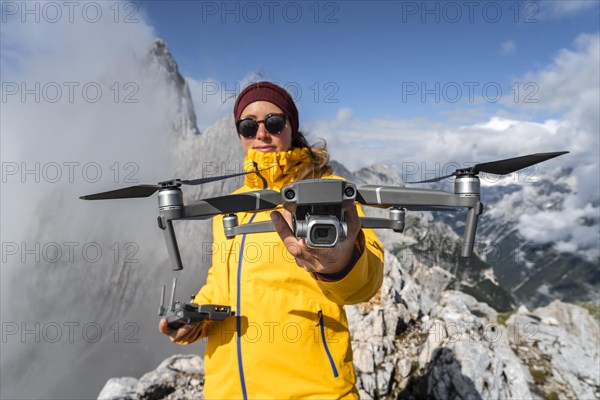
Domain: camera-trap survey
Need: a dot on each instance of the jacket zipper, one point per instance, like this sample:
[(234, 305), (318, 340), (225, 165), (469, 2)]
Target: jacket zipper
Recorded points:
[(238, 317), (322, 328)]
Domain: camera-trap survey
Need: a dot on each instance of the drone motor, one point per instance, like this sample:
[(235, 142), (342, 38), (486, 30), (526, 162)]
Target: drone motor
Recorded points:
[(467, 185), (170, 198)]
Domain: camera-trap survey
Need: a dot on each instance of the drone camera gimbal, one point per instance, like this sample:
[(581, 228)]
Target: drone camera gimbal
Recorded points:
[(317, 208)]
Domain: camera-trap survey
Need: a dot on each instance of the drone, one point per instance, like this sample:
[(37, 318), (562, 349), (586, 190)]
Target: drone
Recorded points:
[(317, 205)]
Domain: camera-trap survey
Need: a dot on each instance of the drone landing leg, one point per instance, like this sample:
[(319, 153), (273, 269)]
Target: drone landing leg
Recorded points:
[(172, 248), (470, 229)]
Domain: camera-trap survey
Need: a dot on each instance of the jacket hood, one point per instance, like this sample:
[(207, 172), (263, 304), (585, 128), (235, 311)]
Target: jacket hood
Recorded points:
[(276, 169)]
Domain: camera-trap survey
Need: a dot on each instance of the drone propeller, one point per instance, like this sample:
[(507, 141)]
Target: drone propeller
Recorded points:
[(124, 193), (500, 167), (503, 167), (148, 190)]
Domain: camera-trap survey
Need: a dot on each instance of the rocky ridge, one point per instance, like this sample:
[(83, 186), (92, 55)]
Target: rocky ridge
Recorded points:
[(415, 341)]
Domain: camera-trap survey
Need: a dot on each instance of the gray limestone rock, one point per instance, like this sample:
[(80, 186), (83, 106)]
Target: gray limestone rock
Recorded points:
[(559, 344), (179, 377)]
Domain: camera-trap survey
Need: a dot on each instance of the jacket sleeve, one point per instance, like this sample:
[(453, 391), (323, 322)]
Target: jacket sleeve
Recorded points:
[(366, 276)]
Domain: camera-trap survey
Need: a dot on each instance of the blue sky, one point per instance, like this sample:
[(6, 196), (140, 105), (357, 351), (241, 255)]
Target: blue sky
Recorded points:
[(368, 56)]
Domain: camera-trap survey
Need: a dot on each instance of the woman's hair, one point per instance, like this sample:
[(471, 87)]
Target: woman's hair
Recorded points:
[(319, 156)]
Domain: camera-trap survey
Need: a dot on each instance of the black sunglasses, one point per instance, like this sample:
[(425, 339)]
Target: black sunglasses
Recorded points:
[(274, 124)]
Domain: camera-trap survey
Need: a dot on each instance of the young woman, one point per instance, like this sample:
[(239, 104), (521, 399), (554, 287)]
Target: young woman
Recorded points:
[(289, 337)]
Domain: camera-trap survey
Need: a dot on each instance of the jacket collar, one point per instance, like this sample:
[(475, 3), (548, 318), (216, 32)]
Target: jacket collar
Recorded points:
[(277, 169)]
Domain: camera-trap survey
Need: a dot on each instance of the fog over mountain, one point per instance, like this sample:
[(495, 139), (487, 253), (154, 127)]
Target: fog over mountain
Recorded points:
[(80, 280)]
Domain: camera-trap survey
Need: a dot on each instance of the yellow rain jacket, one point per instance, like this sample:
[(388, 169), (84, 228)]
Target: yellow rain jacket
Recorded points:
[(289, 337)]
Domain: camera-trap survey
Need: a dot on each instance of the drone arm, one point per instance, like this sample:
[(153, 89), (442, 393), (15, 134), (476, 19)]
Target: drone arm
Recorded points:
[(267, 226), (232, 230), (387, 196), (382, 223)]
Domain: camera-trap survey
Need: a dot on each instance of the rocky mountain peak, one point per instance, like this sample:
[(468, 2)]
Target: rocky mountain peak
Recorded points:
[(162, 62)]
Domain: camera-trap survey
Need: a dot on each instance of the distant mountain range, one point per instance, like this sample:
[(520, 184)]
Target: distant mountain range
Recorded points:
[(534, 271)]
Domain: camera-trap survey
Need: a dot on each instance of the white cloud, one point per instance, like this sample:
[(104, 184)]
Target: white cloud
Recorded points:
[(48, 115), (345, 115), (569, 86), (561, 8), (430, 142), (508, 47), (128, 121), (565, 228)]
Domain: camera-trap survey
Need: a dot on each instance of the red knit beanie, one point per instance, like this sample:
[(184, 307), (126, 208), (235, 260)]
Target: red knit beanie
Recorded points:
[(267, 91)]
